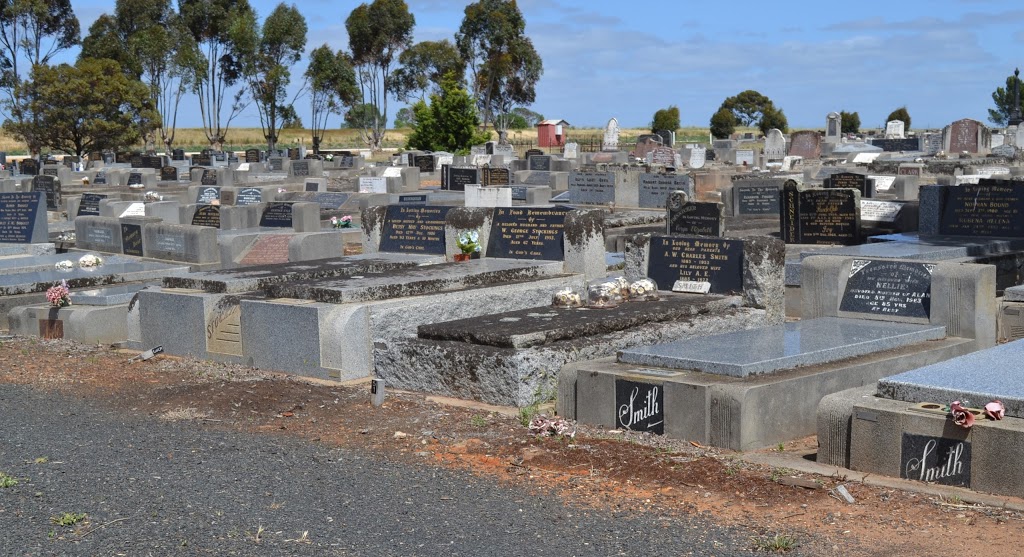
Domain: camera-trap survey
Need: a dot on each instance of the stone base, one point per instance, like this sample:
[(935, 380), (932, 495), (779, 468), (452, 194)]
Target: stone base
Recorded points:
[(85, 324), (745, 413)]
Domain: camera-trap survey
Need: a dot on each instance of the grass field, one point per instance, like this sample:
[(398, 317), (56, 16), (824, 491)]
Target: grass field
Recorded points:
[(239, 139)]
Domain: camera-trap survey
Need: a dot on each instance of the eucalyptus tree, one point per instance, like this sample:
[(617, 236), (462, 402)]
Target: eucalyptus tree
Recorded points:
[(332, 86), (423, 66)]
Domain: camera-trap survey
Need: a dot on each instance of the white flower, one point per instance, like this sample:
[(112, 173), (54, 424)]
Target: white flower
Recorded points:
[(65, 265), (89, 260)]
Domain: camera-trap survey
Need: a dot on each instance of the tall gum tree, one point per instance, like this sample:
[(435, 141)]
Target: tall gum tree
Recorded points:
[(332, 86)]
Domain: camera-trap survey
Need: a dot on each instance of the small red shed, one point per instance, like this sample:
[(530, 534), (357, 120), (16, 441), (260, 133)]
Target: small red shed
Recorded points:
[(551, 133)]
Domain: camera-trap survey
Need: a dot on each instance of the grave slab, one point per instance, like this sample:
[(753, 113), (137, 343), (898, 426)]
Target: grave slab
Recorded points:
[(791, 345)]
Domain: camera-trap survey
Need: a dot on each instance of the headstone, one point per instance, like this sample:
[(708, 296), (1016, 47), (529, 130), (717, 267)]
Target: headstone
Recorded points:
[(639, 406), (571, 150), (207, 195), (694, 218), (668, 137), (135, 160), (424, 162), (833, 127), (312, 186), (460, 176), (497, 176), (249, 196), (29, 167), (275, 164), (441, 159), (591, 188), (331, 200), (893, 145), (277, 215), (131, 239), (820, 216), (252, 155), (894, 129), (963, 136), (698, 156), (202, 159), (207, 215), (414, 229), (939, 460), (888, 288), (610, 142), (293, 154), (988, 208), (373, 184), (300, 168), (90, 204), (50, 171), (51, 187), (169, 174), (1008, 151), (806, 144), (539, 162), (178, 155), (716, 261), (645, 144), (774, 145), (744, 157), (100, 178), (135, 179), (756, 196), (654, 189), (664, 156), (531, 153), (152, 161), (22, 217), (860, 182), (528, 233)]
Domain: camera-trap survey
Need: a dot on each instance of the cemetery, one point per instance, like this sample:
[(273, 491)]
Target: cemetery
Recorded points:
[(855, 294)]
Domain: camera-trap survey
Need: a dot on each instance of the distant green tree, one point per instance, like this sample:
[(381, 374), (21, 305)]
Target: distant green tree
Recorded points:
[(516, 121), (449, 123), (404, 118), (772, 118), (666, 119), (900, 114), (723, 123), (290, 119), (1003, 99), (851, 122), (361, 116), (332, 86), (424, 64), (748, 107), (532, 118)]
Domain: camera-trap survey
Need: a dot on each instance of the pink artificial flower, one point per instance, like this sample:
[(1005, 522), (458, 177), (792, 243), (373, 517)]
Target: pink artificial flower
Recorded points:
[(334, 221), (995, 410), (961, 416), (346, 218)]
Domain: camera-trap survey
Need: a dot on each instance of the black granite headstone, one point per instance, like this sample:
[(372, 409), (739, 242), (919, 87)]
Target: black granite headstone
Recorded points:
[(935, 460), (312, 186), (207, 195), (859, 182), (178, 155), (424, 162), (497, 176), (29, 167), (131, 239), (539, 162), (18, 211), (152, 161), (135, 160), (820, 216), (249, 196), (90, 204), (886, 287), (414, 229), (209, 177), (639, 406), (988, 208), (169, 174), (51, 187), (534, 233), (134, 178), (100, 178), (532, 152), (252, 155), (459, 176), (695, 218), (717, 261), (753, 198), (202, 159), (331, 200), (207, 215), (277, 215)]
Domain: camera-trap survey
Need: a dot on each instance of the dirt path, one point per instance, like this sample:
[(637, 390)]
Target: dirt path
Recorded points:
[(623, 472)]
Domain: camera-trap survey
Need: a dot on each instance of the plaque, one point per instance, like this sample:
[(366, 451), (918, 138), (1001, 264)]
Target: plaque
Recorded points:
[(206, 196), (135, 160), (895, 145), (293, 154), (424, 162), (29, 167), (880, 211), (50, 172), (252, 155), (886, 287), (591, 188), (373, 184), (539, 162), (249, 196), (276, 164), (18, 214), (90, 204), (134, 179), (131, 239), (756, 199), (459, 176), (639, 406), (533, 233), (178, 155), (414, 229), (935, 460), (696, 218), (51, 187), (984, 209), (496, 177), (152, 161), (413, 199), (209, 177), (820, 216), (277, 215), (169, 174), (654, 188), (300, 168), (519, 192), (851, 180), (312, 186), (207, 215), (330, 200), (717, 261), (100, 178)]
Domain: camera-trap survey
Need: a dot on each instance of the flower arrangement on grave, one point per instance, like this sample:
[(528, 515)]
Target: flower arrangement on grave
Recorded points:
[(89, 260), (65, 265), (468, 242), (59, 295), (961, 416), (343, 222), (995, 410), (153, 196)]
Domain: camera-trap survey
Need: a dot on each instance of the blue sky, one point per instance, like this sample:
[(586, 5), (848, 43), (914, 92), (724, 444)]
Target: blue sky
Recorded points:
[(604, 58)]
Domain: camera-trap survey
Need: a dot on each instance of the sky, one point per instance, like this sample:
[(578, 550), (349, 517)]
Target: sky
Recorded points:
[(942, 59)]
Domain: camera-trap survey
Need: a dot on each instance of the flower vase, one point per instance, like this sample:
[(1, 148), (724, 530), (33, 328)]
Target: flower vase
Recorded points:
[(463, 256)]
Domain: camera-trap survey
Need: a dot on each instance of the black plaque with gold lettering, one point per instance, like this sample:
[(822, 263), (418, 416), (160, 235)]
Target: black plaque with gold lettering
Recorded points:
[(498, 176), (859, 182), (252, 155), (90, 204), (528, 233), (169, 174), (717, 261), (209, 177), (207, 215), (820, 216), (131, 239), (414, 229), (988, 208), (277, 215)]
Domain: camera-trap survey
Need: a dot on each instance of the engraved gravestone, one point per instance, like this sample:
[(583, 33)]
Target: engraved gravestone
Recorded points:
[(135, 160), (293, 154), (50, 171), (209, 177), (206, 196), (414, 229), (275, 164), (528, 233), (539, 162), (413, 199), (820, 216), (373, 184), (178, 155), (645, 144), (134, 179), (717, 261), (277, 215), (460, 176), (591, 188), (963, 136), (937, 460), (859, 182), (988, 208), (880, 211), (833, 127), (100, 178), (698, 156), (22, 217), (654, 189), (207, 215), (300, 168), (152, 161), (131, 239), (252, 155), (202, 159), (90, 204), (29, 167), (894, 129), (51, 187), (639, 407), (497, 176), (889, 288), (312, 186), (897, 145), (424, 162), (806, 144), (774, 145), (249, 196), (331, 200), (756, 196), (694, 218), (571, 150), (664, 156), (744, 157), (169, 174), (610, 142)]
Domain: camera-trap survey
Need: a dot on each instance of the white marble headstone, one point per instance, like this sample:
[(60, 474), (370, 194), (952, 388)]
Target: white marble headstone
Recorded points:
[(611, 136), (698, 156), (894, 129), (373, 184), (571, 150), (134, 210), (774, 145)]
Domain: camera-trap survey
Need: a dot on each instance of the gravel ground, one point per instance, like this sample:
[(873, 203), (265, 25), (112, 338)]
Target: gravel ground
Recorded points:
[(151, 487)]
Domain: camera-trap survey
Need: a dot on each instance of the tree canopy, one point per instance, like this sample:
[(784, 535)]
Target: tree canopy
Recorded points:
[(423, 65), (850, 122), (449, 123), (751, 108), (723, 123), (332, 86), (1003, 99), (900, 114), (666, 119)]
